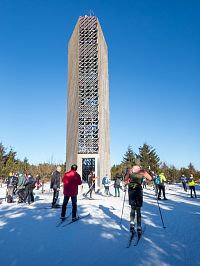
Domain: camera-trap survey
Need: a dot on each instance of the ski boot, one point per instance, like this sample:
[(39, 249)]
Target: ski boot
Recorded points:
[(139, 230), (74, 219), (63, 218), (132, 227)]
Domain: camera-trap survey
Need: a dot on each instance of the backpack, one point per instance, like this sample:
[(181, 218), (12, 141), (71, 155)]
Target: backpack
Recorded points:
[(29, 180), (157, 180), (105, 181)]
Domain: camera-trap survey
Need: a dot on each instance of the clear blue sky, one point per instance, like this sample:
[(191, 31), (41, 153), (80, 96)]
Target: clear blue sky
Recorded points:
[(154, 72)]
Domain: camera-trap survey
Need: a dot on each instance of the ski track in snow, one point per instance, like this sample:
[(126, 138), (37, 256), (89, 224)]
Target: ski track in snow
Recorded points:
[(28, 234)]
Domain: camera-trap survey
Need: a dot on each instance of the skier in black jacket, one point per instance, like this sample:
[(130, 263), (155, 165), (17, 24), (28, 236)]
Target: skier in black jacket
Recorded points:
[(55, 185)]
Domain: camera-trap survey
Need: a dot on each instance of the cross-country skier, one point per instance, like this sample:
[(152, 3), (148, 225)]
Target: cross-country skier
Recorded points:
[(161, 186), (134, 179), (91, 184), (71, 180), (191, 184), (184, 181)]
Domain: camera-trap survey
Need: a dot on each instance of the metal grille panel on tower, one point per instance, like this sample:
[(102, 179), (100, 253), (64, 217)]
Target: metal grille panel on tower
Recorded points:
[(88, 86)]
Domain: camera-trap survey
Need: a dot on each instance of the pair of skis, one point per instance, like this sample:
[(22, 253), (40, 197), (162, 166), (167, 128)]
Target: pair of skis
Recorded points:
[(65, 222), (135, 237)]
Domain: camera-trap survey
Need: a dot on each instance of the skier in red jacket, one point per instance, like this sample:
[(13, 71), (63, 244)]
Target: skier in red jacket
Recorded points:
[(70, 180)]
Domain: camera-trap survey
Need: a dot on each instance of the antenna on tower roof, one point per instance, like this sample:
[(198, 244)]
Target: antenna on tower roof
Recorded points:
[(91, 13)]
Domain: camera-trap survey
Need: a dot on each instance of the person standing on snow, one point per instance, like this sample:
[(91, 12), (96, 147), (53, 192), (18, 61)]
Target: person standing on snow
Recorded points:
[(134, 179), (55, 185), (21, 187), (106, 183), (191, 184), (71, 180), (117, 184), (161, 186), (184, 181), (29, 187), (91, 184)]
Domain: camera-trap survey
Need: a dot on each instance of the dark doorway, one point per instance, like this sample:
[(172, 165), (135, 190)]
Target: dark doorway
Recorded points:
[(88, 165)]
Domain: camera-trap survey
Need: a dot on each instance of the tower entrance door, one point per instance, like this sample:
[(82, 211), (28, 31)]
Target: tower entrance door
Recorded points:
[(88, 165)]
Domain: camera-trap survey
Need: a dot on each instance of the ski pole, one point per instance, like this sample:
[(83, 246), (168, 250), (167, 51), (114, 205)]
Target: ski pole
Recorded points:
[(123, 206), (161, 215)]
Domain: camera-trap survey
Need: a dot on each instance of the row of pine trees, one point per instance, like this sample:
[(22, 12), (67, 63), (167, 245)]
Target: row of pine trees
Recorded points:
[(147, 157), (10, 163)]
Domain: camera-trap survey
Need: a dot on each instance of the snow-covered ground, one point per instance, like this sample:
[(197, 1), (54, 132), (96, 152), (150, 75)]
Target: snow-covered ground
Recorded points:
[(29, 236)]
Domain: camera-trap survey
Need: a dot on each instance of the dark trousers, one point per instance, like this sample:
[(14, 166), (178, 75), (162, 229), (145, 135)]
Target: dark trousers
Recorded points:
[(137, 210), (21, 194), (156, 189), (74, 206), (193, 189), (161, 188), (107, 192), (184, 186), (55, 196), (29, 194), (117, 192), (91, 188), (144, 185)]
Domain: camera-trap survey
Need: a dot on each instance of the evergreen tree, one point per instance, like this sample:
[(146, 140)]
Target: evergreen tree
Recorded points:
[(129, 158), (148, 158), (9, 165), (2, 158), (191, 168)]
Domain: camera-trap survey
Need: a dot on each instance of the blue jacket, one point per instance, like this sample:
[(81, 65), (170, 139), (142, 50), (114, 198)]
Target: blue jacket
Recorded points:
[(183, 178), (106, 181)]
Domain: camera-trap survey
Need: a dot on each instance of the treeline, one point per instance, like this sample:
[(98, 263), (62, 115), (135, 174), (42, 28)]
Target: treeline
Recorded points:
[(10, 163), (146, 157), (149, 159)]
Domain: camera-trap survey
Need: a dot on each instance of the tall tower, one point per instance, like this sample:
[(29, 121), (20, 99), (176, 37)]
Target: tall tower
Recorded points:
[(88, 131)]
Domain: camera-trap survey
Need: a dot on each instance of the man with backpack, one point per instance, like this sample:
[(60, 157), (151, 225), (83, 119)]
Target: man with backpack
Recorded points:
[(161, 186), (106, 183)]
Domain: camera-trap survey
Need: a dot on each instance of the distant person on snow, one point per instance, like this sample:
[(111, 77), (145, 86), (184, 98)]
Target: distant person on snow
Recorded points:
[(184, 181), (106, 183), (29, 183), (21, 187), (191, 184), (91, 184), (134, 179), (71, 180), (55, 185), (117, 184), (161, 186), (156, 180), (144, 182)]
